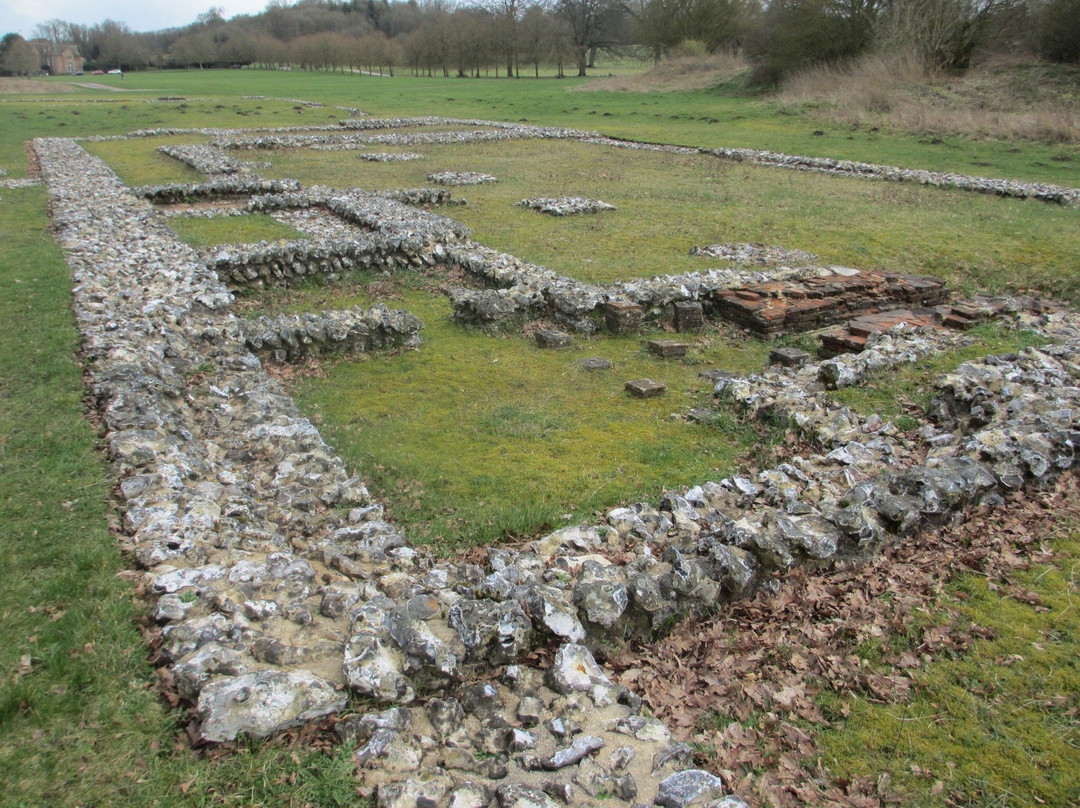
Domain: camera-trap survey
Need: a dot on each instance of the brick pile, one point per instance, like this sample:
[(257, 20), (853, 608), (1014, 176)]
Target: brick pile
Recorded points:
[(794, 306)]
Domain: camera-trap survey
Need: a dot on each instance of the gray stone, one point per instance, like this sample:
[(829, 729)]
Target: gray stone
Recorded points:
[(645, 388), (689, 788), (568, 756), (594, 363), (495, 633), (668, 348), (574, 669), (262, 703), (376, 670), (546, 338)]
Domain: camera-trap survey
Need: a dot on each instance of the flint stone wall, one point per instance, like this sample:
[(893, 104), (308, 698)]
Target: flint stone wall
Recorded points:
[(229, 187), (397, 236), (271, 599), (289, 338), (204, 158)]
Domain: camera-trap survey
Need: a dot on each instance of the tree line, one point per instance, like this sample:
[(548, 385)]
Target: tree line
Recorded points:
[(515, 37)]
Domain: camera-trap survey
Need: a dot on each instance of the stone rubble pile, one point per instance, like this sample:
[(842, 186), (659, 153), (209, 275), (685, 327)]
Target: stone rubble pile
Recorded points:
[(460, 178), (20, 182), (204, 158), (518, 290), (389, 157), (293, 337), (756, 254), (850, 168), (350, 230), (565, 205)]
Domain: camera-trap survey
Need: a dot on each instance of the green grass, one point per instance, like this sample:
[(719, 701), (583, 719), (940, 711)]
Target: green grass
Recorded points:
[(473, 438), (995, 726), (208, 231), (668, 203)]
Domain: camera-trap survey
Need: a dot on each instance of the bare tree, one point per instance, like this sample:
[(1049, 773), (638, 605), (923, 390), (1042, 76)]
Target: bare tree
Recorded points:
[(52, 36), (592, 24)]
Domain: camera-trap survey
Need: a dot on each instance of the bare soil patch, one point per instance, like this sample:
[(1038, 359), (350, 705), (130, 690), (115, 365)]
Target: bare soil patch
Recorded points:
[(674, 75)]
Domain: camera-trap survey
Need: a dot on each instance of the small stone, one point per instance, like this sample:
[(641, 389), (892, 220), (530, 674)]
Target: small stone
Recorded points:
[(552, 339), (668, 348), (575, 669), (583, 745), (563, 792), (645, 388), (789, 357), (594, 363), (515, 795), (529, 711), (692, 787)]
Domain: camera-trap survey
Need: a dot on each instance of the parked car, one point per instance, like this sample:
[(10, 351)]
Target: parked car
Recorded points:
[(116, 72), (98, 73)]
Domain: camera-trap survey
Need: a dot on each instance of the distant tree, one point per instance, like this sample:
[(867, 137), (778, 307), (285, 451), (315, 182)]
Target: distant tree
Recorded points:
[(593, 24), (797, 33), (17, 57), (52, 36), (1057, 30), (196, 48), (719, 24), (945, 33)]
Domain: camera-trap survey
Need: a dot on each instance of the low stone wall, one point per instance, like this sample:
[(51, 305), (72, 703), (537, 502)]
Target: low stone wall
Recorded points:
[(279, 582), (203, 158), (293, 337), (231, 187)]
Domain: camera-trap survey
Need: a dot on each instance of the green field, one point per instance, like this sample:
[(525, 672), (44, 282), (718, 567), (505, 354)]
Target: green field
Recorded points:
[(535, 440)]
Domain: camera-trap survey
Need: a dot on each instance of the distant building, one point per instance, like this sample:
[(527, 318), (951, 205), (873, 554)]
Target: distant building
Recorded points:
[(65, 61)]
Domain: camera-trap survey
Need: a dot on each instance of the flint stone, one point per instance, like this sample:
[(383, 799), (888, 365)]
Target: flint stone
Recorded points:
[(817, 537), (674, 757), (515, 795), (195, 672), (367, 541), (573, 539), (482, 700), (552, 614), (492, 632), (563, 792), (360, 729), (470, 795), (601, 594), (582, 745), (424, 791), (789, 357), (388, 751), (595, 363), (261, 703), (596, 781), (374, 669), (574, 669), (643, 728), (446, 717), (529, 711), (689, 788)]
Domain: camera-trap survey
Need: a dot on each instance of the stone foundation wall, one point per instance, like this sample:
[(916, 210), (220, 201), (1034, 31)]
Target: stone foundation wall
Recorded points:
[(289, 338)]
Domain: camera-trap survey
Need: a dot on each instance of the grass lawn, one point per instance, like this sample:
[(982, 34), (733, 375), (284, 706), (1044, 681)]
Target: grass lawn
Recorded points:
[(441, 430)]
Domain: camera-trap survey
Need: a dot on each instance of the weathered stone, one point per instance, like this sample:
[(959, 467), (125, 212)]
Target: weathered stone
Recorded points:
[(645, 388), (668, 348), (492, 632), (594, 363), (689, 788), (568, 756), (789, 357), (374, 669), (514, 795), (574, 669), (546, 338), (262, 703), (688, 316)]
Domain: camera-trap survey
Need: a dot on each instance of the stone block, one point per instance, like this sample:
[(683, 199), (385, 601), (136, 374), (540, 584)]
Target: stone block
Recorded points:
[(668, 348), (788, 357), (622, 317), (689, 316), (645, 388), (594, 363), (552, 339)]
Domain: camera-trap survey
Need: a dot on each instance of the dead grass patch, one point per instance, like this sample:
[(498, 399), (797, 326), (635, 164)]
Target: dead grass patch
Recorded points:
[(677, 74), (10, 86), (1002, 100)]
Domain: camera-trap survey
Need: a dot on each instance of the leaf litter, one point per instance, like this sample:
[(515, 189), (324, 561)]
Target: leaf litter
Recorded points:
[(740, 685)]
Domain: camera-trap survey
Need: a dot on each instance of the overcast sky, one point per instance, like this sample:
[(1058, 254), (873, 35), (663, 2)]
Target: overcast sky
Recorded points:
[(140, 15)]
